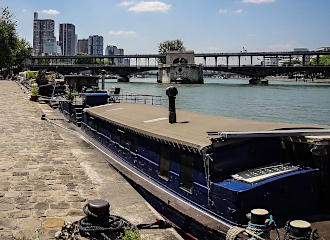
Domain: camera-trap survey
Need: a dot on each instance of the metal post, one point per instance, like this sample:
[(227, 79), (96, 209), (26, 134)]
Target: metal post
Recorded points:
[(227, 59), (239, 61), (171, 92), (103, 79), (204, 61), (216, 61), (290, 59), (303, 60), (317, 59), (251, 59)]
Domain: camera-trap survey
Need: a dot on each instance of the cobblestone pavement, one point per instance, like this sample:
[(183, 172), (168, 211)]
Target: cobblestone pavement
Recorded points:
[(48, 174)]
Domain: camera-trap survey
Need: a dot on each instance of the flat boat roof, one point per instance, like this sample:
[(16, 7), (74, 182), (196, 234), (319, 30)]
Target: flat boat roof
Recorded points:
[(191, 127)]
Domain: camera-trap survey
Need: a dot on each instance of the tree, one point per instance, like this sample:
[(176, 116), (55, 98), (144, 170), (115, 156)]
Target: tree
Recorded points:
[(13, 51), (83, 60), (41, 78), (324, 60), (170, 45)]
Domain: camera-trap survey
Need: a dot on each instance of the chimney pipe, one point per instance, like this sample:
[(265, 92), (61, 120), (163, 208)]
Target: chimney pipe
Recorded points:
[(171, 92)]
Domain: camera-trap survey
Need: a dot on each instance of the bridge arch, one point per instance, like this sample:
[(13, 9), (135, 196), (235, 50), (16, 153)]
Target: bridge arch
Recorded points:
[(180, 60)]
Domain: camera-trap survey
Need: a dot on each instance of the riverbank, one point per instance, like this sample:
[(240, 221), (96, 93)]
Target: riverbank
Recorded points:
[(49, 173), (286, 79)]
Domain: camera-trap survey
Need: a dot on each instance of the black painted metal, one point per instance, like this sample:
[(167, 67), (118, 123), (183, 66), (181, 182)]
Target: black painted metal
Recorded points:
[(68, 64)]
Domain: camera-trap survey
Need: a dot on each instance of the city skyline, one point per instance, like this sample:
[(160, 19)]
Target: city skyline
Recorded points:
[(204, 26)]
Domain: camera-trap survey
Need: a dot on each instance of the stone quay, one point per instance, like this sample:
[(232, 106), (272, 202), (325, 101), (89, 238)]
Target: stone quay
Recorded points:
[(48, 173)]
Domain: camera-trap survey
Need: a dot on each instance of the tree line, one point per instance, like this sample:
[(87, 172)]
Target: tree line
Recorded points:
[(13, 50)]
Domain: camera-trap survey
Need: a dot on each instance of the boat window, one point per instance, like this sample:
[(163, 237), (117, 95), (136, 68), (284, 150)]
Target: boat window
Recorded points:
[(113, 135), (186, 172), (133, 146), (164, 162)]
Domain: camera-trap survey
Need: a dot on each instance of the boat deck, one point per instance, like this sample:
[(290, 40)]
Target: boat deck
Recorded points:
[(190, 129)]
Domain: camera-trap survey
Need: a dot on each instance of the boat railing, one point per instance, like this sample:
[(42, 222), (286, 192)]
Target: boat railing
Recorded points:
[(139, 98)]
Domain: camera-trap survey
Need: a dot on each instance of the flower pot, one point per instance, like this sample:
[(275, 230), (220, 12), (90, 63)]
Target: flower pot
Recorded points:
[(34, 98)]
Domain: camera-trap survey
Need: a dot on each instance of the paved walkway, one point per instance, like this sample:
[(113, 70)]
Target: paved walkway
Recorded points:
[(48, 174)]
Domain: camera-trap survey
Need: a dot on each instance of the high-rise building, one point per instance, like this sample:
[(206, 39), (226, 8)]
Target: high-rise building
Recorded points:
[(83, 45), (113, 50), (43, 35), (95, 45), (67, 39)]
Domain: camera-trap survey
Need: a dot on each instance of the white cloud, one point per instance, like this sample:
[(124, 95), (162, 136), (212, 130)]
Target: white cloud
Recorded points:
[(259, 1), (150, 6), (122, 32), (126, 3), (24, 10), (239, 11), (222, 11), (50, 12), (252, 35)]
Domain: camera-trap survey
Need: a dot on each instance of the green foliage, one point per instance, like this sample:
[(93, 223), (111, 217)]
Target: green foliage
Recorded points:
[(13, 51), (70, 95), (51, 77), (30, 75), (170, 45), (325, 60), (82, 61), (131, 234), (58, 76), (35, 89), (41, 78), (81, 54), (294, 61)]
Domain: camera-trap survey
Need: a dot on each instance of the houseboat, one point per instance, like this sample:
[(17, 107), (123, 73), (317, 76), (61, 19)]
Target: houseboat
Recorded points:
[(204, 173)]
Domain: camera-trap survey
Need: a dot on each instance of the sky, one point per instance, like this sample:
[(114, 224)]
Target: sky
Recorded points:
[(203, 25)]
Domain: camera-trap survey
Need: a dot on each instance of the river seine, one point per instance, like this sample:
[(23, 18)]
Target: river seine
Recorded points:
[(292, 102)]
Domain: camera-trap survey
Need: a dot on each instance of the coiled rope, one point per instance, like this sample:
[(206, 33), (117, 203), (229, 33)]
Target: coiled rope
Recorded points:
[(102, 226)]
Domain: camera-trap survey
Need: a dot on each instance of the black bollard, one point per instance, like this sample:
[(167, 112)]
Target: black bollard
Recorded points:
[(259, 216), (99, 207), (171, 92), (300, 229)]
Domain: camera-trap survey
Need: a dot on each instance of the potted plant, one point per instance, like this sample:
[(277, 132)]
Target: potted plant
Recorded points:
[(34, 92)]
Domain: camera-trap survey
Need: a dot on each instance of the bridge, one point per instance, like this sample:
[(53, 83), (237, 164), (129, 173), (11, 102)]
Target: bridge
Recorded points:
[(251, 64)]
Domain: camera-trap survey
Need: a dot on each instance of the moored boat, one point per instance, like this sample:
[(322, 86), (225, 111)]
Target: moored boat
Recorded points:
[(204, 172)]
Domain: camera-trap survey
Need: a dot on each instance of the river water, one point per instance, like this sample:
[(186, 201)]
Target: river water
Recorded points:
[(292, 102)]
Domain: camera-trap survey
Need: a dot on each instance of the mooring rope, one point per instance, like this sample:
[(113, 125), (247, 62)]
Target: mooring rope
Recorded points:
[(107, 227)]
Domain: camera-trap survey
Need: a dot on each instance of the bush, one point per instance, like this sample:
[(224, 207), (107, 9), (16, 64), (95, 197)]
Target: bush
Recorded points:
[(35, 89), (70, 95), (41, 78), (131, 234), (30, 75)]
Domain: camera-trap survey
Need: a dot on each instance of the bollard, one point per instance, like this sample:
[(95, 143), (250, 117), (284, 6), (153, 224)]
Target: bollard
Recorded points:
[(299, 229), (99, 207), (171, 92), (259, 216), (260, 223), (43, 116)]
